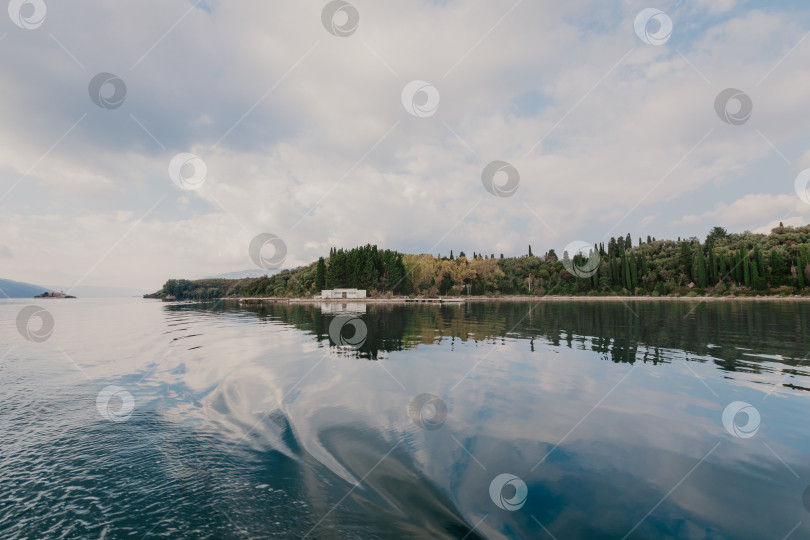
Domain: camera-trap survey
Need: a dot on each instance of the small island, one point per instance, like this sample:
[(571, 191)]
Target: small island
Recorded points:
[(60, 294)]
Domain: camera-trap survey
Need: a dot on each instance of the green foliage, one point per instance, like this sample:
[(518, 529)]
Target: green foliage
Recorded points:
[(701, 268), (715, 235), (759, 261), (757, 280), (627, 281), (368, 268), (661, 267), (685, 261), (779, 268), (746, 270), (739, 265)]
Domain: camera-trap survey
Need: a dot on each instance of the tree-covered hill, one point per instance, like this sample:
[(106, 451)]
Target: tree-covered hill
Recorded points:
[(721, 264)]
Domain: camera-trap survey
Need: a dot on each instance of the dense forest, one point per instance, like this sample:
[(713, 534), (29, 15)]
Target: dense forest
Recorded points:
[(722, 264)]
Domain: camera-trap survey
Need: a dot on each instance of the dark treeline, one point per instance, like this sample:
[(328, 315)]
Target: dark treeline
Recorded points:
[(365, 267), (722, 264), (362, 268)]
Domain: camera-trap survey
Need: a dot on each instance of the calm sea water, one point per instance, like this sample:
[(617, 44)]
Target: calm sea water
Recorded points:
[(137, 418)]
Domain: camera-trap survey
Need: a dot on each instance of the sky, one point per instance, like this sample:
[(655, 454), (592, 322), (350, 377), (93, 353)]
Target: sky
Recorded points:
[(146, 140)]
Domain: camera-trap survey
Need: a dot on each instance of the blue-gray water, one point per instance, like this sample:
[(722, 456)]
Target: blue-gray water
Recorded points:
[(251, 423)]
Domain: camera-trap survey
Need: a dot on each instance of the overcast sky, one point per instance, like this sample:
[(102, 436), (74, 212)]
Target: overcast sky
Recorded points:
[(310, 128)]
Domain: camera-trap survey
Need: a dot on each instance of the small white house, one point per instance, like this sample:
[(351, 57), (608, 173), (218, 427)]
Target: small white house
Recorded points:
[(343, 293)]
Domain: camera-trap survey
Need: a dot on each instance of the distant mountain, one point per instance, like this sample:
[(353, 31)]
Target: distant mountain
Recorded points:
[(18, 289), (242, 274)]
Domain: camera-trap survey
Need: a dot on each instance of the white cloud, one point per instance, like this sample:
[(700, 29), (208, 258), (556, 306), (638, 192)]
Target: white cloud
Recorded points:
[(795, 221), (761, 210), (623, 132)]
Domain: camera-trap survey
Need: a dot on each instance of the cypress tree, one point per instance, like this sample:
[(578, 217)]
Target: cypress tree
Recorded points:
[(627, 242), (741, 258), (645, 269), (728, 260), (731, 270), (800, 271), (633, 271), (628, 282), (755, 279), (759, 261), (747, 271)]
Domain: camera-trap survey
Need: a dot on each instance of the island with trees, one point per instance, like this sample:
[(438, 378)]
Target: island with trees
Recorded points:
[(722, 264)]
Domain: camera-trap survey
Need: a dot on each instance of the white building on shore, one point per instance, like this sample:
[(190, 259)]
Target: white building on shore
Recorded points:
[(343, 293)]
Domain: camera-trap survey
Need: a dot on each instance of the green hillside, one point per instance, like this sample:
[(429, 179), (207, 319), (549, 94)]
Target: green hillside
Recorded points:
[(721, 264)]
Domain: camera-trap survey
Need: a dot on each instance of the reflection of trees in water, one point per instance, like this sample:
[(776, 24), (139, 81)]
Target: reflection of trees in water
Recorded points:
[(727, 332)]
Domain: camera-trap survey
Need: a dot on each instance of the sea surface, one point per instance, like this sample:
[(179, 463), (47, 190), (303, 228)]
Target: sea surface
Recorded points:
[(137, 418)]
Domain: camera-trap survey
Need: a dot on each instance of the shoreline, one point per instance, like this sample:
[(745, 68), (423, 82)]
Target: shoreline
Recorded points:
[(550, 298)]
